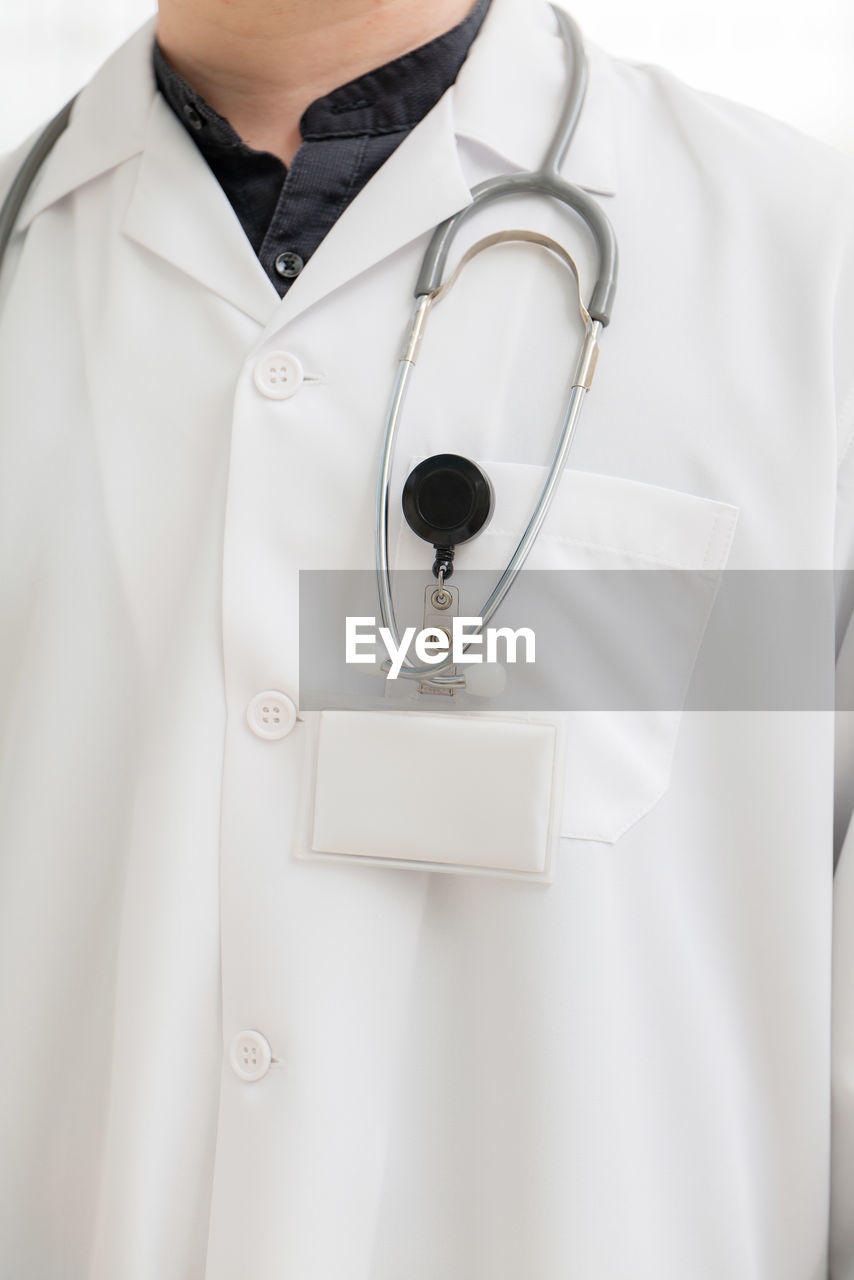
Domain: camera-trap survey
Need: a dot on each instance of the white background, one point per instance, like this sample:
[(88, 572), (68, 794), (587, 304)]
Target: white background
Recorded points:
[(792, 60)]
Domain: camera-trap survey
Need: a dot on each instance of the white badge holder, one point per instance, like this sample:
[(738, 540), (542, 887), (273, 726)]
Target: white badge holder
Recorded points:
[(469, 794)]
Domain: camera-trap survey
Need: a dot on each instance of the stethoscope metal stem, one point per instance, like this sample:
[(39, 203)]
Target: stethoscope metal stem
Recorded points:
[(535, 524), (395, 412), (581, 384)]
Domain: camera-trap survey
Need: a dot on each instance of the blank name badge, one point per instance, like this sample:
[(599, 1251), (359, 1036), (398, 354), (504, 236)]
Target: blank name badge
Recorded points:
[(454, 793)]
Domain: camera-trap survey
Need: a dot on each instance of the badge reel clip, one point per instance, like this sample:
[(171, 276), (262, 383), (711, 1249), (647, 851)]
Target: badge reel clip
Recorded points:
[(447, 500)]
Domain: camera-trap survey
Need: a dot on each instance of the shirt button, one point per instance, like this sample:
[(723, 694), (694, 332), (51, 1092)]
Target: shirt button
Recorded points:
[(288, 265), (278, 375), (271, 715), (191, 115), (250, 1056)]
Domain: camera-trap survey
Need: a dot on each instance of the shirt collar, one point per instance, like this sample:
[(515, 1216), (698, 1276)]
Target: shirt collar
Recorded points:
[(505, 97), (389, 99)]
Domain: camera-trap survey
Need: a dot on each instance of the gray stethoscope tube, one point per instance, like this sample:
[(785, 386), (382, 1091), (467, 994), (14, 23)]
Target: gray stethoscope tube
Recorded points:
[(430, 288), (25, 176)]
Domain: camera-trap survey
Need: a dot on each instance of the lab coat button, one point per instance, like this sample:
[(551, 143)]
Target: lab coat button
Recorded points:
[(250, 1056), (278, 375), (271, 714)]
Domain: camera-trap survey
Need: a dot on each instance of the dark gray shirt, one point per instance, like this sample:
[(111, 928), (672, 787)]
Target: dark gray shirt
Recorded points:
[(346, 135)]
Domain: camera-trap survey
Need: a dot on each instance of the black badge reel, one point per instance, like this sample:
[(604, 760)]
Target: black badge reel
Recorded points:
[(447, 500)]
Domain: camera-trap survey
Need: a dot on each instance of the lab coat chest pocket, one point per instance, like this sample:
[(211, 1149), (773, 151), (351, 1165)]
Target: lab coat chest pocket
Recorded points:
[(639, 568)]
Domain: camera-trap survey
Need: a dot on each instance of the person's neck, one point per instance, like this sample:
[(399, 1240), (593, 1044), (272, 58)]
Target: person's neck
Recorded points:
[(261, 63)]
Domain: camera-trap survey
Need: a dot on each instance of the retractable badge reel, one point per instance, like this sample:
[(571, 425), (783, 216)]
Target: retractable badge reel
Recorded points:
[(447, 500)]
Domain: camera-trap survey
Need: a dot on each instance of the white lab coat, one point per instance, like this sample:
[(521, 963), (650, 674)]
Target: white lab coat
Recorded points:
[(626, 1073)]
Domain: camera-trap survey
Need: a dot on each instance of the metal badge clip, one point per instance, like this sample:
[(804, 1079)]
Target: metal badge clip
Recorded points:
[(441, 605)]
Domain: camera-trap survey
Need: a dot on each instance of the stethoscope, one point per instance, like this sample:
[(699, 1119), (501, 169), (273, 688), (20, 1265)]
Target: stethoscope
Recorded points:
[(447, 499)]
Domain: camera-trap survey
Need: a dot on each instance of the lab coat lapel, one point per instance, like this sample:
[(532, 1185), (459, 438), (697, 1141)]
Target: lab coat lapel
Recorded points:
[(420, 185), (507, 98), (179, 211), (107, 126)]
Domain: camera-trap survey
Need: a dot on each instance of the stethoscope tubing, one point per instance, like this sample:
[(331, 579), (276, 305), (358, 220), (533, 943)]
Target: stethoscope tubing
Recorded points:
[(26, 175), (546, 181), (547, 184), (430, 286)]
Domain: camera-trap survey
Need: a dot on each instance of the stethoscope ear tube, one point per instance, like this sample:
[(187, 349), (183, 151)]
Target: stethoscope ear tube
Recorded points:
[(547, 181), (430, 277)]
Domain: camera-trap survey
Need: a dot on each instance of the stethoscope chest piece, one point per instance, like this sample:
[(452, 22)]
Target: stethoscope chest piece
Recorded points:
[(447, 500)]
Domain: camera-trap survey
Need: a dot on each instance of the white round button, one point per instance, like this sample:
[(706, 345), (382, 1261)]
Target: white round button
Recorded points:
[(271, 714), (250, 1055), (278, 375)]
